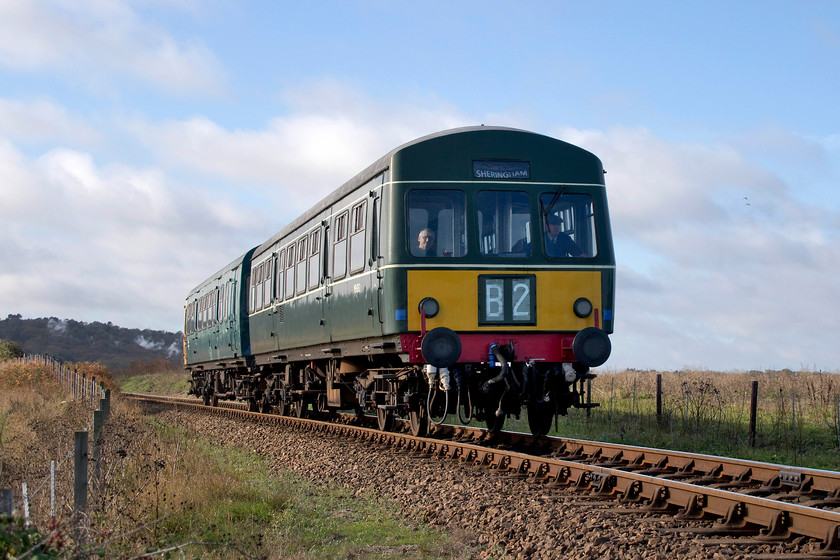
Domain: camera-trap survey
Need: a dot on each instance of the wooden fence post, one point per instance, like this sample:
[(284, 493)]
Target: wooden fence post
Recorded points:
[(80, 472), (107, 408), (24, 489), (7, 501), (659, 398), (837, 416), (52, 489), (753, 412), (98, 415)]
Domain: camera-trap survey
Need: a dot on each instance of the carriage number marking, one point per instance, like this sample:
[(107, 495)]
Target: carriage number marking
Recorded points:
[(505, 300)]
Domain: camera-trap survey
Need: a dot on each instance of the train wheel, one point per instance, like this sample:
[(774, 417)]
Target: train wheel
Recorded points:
[(283, 407), (214, 400), (301, 408), (540, 417), (206, 399), (385, 419), (418, 420), (253, 405)]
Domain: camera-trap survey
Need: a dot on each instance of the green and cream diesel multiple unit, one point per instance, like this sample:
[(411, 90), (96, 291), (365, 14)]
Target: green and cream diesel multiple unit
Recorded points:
[(508, 305)]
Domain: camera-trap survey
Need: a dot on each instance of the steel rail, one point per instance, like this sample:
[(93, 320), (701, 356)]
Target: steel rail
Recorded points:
[(753, 477), (736, 511)]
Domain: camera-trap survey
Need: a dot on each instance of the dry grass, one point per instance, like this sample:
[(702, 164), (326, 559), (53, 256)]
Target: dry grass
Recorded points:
[(36, 423), (696, 396), (152, 486), (798, 413)]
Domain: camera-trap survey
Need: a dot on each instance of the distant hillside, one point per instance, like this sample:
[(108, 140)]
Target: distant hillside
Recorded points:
[(76, 341)]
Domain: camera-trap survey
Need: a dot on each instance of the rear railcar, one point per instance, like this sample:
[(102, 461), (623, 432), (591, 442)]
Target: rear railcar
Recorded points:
[(216, 341)]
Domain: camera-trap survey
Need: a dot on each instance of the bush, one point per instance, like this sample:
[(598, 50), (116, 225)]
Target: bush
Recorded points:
[(9, 350), (17, 539)]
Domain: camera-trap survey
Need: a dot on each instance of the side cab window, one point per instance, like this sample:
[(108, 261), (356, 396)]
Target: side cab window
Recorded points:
[(437, 223)]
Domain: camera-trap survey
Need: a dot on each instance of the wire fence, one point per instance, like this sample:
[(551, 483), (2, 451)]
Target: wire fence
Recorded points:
[(82, 387), (795, 410), (87, 390)]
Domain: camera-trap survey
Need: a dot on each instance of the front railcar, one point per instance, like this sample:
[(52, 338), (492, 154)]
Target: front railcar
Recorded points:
[(508, 301), (469, 273)]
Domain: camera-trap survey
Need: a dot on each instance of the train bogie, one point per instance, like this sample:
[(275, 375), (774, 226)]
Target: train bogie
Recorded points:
[(468, 274)]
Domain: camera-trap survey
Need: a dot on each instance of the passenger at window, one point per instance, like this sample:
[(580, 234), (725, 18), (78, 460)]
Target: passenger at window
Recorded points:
[(558, 243), (426, 243)]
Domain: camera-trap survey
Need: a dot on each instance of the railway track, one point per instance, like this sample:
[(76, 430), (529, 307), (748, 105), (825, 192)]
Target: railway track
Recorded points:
[(711, 495)]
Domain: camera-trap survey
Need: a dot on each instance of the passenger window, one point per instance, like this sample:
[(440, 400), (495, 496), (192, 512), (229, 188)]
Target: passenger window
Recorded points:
[(211, 308), (314, 259), (290, 271), (232, 310), (280, 268), (259, 288), (216, 305), (227, 296), (300, 278), (504, 224), (268, 282), (252, 293), (376, 232), (436, 223), (357, 238), (220, 310), (568, 223), (340, 246), (201, 302), (232, 299)]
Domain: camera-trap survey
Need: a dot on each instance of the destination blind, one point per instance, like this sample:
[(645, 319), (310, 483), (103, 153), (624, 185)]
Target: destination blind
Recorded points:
[(501, 170)]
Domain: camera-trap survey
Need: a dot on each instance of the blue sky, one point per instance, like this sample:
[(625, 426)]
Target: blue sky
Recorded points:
[(145, 144)]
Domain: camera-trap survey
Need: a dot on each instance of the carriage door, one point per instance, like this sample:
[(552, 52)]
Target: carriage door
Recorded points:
[(316, 272), (377, 257), (231, 318)]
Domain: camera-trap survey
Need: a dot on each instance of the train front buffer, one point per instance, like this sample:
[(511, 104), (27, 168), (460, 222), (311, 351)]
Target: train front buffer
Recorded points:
[(502, 340)]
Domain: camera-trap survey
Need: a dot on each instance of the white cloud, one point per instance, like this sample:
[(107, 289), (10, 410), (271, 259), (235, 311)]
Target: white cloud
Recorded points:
[(740, 270), (331, 134), (108, 242), (102, 40), (43, 120)]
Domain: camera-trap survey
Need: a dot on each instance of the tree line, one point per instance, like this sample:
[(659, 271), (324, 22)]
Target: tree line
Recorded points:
[(77, 341)]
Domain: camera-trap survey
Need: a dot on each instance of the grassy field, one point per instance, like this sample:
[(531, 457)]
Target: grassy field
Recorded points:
[(709, 412)]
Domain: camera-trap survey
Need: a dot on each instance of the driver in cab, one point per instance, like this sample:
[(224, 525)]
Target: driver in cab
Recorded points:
[(558, 243)]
